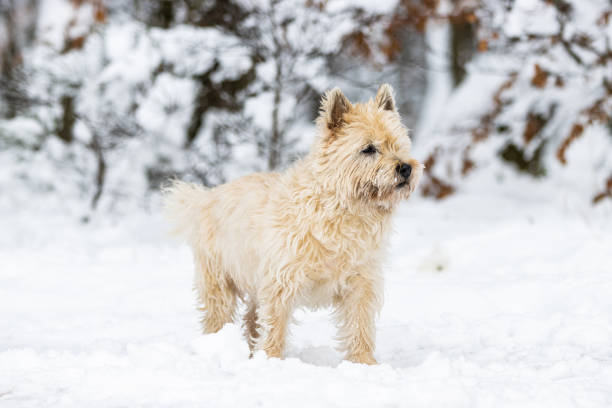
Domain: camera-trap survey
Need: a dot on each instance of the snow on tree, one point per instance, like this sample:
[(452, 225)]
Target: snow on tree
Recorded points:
[(203, 90), (542, 80), (295, 39), (112, 98)]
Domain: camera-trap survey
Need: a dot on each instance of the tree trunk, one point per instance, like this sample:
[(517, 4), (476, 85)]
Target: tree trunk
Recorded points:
[(100, 171), (68, 119), (8, 59), (462, 48), (276, 138)]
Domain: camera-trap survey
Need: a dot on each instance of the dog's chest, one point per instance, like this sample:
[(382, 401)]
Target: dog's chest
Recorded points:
[(329, 283), (346, 245), (350, 238)]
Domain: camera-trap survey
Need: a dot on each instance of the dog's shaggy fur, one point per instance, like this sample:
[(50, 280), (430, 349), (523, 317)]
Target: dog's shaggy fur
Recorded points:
[(312, 236)]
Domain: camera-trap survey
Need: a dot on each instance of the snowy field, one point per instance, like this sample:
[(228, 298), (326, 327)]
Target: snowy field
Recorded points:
[(497, 297)]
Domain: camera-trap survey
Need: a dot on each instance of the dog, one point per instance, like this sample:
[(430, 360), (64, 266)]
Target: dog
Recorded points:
[(312, 236)]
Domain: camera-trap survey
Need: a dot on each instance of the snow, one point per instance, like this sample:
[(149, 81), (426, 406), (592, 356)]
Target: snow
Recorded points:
[(380, 6), (499, 296), (167, 106), (533, 17), (438, 78), (53, 16)]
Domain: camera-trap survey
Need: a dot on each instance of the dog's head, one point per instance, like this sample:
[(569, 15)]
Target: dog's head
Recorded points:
[(363, 152)]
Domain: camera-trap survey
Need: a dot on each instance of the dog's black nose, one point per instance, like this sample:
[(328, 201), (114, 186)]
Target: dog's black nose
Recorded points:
[(404, 170)]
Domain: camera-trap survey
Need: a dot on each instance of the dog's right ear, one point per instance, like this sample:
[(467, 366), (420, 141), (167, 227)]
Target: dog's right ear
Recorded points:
[(333, 106)]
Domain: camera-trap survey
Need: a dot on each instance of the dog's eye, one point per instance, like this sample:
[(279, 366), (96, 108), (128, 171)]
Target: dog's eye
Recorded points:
[(369, 150)]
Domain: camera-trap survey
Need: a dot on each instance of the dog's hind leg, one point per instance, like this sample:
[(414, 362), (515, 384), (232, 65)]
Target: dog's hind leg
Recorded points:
[(251, 326), (217, 294)]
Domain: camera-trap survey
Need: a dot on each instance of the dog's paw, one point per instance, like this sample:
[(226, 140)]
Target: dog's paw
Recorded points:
[(363, 358), (273, 351)]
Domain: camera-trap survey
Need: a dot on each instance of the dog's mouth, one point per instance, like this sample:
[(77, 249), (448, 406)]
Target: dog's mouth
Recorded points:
[(402, 184)]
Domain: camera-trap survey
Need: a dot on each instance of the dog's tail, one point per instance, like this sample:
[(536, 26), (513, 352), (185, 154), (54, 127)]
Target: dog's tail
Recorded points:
[(183, 207)]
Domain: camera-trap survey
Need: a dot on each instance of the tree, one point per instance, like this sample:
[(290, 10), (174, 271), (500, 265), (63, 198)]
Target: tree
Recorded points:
[(545, 67), (295, 39), (17, 33)]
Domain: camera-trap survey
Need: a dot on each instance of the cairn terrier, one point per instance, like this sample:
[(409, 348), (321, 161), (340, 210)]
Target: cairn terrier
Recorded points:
[(311, 236)]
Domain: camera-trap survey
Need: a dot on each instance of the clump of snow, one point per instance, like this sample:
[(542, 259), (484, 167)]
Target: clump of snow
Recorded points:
[(531, 17), (437, 261)]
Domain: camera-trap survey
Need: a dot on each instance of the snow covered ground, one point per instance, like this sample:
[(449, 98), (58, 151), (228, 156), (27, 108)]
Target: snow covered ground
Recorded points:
[(500, 296)]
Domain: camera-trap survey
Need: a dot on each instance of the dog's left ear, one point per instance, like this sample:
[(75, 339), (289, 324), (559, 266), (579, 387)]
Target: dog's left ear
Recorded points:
[(385, 99)]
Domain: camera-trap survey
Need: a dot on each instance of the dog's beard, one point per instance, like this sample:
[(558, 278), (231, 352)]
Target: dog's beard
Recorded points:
[(384, 190), (385, 196)]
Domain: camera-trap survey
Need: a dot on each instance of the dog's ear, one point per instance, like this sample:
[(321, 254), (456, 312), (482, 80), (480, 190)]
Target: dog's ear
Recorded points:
[(385, 99), (333, 106)]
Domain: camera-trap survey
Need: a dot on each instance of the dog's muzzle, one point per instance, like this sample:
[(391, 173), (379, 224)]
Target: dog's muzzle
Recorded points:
[(404, 170)]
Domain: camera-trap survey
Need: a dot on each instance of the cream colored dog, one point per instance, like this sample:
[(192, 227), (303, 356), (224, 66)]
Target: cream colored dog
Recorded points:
[(311, 236)]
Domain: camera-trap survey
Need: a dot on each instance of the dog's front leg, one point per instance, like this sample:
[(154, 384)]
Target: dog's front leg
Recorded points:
[(356, 309), (276, 305)]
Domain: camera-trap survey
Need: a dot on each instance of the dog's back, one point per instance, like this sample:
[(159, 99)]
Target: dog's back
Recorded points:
[(227, 223)]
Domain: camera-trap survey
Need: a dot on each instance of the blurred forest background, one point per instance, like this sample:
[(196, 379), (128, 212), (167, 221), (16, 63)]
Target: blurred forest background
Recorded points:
[(101, 101)]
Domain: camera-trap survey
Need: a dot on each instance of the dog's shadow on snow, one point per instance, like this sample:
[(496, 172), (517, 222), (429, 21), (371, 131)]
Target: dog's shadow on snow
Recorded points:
[(321, 356), (326, 356), (397, 347)]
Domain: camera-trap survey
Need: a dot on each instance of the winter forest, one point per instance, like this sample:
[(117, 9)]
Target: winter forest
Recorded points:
[(499, 279), (93, 91)]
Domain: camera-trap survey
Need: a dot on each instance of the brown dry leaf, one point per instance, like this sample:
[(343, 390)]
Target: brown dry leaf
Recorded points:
[(606, 193), (360, 44), (575, 133), (437, 188), (432, 186), (604, 18), (430, 162), (99, 12), (540, 77), (597, 112), (467, 166), (432, 5), (73, 44), (483, 45), (480, 133), (599, 197), (320, 5), (471, 18), (421, 23), (535, 123), (393, 46)]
